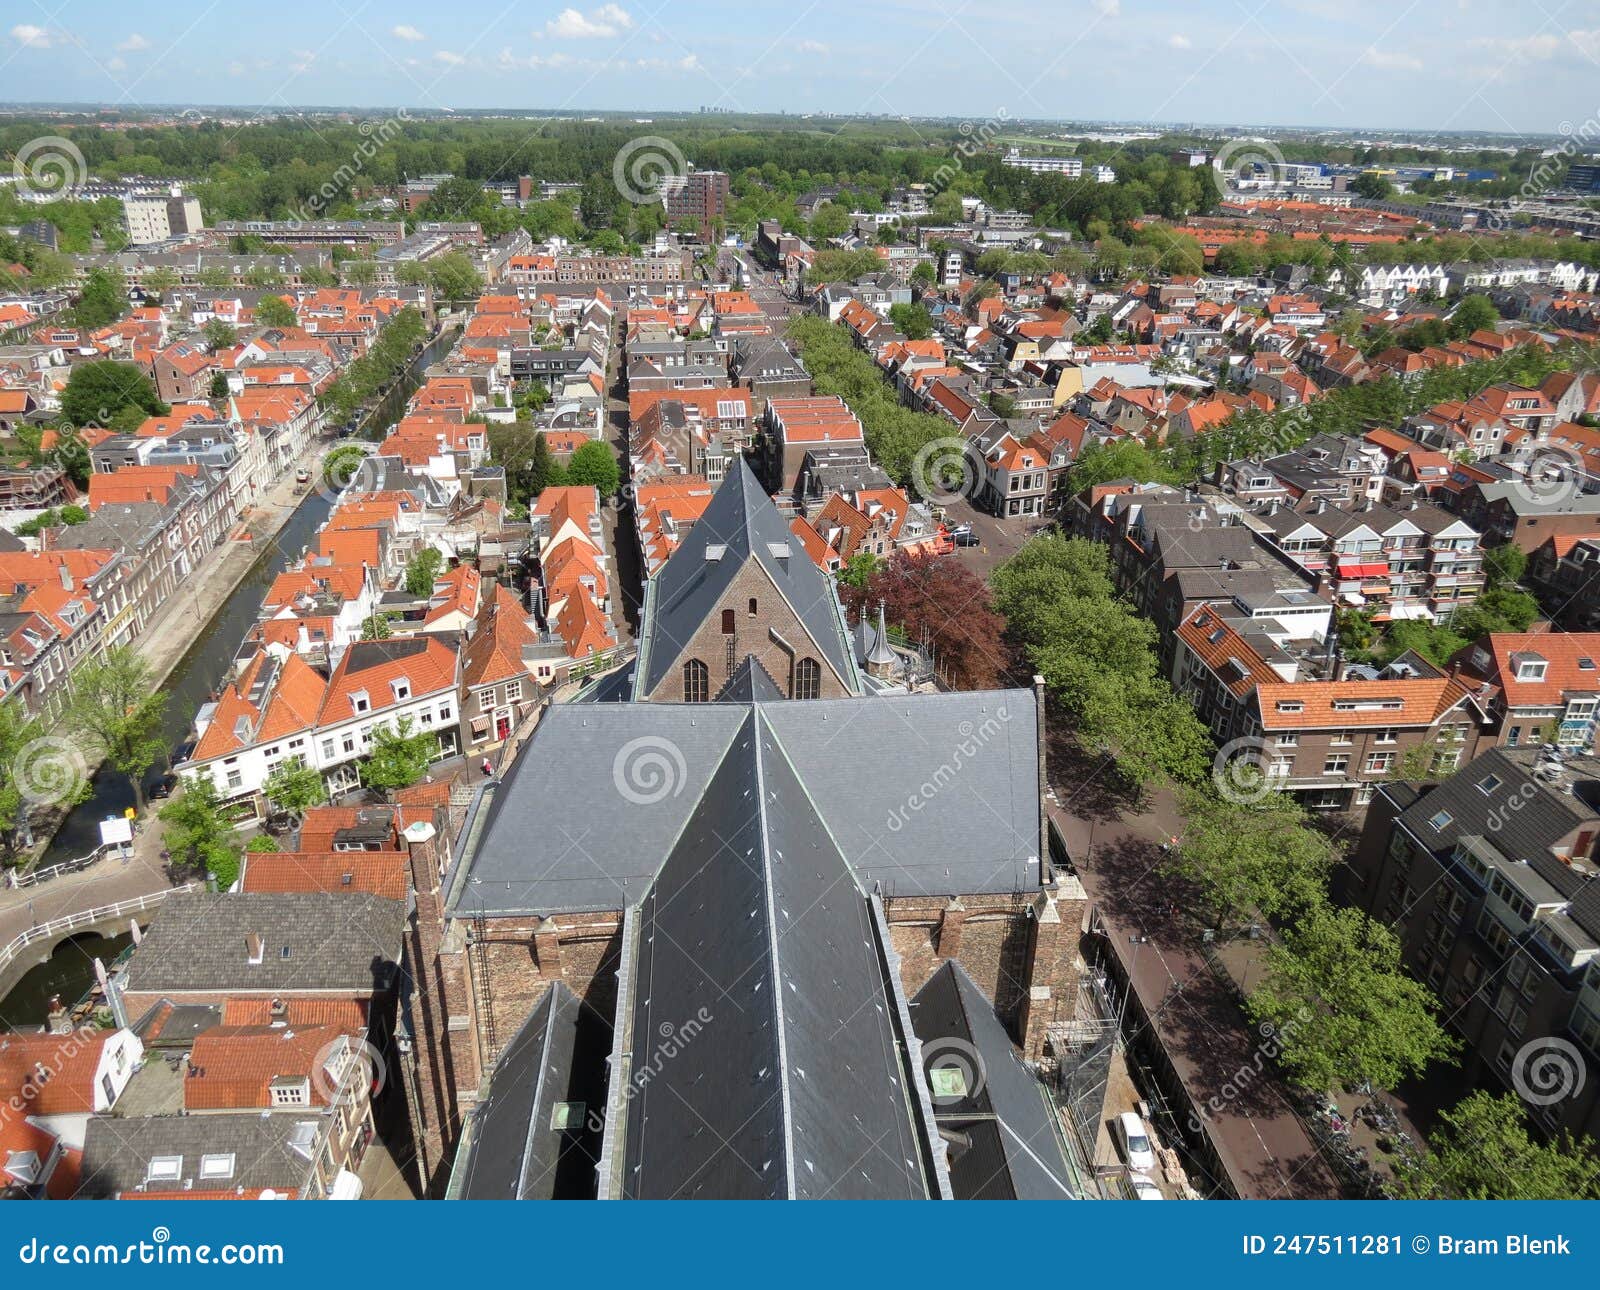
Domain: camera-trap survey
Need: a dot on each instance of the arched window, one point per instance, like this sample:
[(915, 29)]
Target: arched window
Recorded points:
[(808, 679), (727, 622), (752, 606), (696, 682)]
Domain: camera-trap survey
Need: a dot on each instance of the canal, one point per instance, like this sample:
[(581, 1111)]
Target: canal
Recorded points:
[(206, 662), (69, 972), (198, 674)]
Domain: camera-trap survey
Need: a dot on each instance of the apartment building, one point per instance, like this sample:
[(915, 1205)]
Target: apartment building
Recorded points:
[(1489, 881)]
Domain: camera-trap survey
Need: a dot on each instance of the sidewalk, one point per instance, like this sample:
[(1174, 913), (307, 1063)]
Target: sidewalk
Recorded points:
[(1213, 1049)]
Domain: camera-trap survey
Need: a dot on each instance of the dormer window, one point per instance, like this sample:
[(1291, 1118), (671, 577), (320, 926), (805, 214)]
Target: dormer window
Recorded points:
[(401, 688), (1531, 670), (361, 701)]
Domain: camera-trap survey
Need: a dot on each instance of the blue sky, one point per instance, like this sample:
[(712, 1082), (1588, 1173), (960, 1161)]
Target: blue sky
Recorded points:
[(1430, 65)]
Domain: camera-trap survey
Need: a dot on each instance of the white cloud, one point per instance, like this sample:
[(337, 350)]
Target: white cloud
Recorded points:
[(301, 60), (404, 32), (507, 61), (449, 58), (33, 37), (133, 44), (812, 47), (1178, 41), (1388, 61), (1107, 8), (607, 20), (1533, 49), (115, 64)]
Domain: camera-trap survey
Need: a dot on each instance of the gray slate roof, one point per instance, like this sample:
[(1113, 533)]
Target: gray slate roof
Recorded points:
[(755, 928), (923, 794), (742, 520), (312, 941), (513, 1148), (117, 1152), (1005, 1141)]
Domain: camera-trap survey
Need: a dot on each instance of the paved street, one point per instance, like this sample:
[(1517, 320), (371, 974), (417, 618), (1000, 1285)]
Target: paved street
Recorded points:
[(1263, 1147)]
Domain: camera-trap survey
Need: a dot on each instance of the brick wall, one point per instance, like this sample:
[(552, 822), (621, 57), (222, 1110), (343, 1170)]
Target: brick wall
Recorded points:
[(751, 635)]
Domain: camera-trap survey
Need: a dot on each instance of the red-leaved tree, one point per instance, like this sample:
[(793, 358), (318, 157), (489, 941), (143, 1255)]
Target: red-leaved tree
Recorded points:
[(942, 605)]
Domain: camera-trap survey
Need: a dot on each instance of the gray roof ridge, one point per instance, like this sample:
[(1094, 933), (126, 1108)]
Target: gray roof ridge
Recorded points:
[(549, 1003), (757, 728)]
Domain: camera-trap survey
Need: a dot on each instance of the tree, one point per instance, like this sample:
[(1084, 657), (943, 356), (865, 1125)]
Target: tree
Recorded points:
[(218, 388), (275, 311), (594, 464), (1474, 313), (162, 280), (454, 277), (116, 706), (197, 833), (423, 571), (376, 627), (1099, 659), (941, 603), (1254, 855), (1482, 1151), (1345, 1010), (544, 471), (295, 786), (97, 392), (400, 756), (1504, 565), (102, 301), (923, 275), (859, 570), (1372, 185), (262, 844), (829, 221), (218, 333), (17, 733), (913, 321)]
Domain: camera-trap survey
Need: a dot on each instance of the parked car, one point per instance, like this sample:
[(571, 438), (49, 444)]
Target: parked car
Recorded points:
[(163, 787), (1136, 1146), (1144, 1188), (968, 538)]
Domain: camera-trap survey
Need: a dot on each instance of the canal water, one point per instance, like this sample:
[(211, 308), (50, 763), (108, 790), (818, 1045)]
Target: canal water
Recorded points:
[(199, 673), (69, 972), (206, 662)]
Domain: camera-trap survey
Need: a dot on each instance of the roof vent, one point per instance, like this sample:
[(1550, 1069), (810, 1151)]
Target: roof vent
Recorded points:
[(715, 551)]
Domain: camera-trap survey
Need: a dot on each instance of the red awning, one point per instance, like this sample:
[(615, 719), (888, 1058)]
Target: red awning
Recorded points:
[(1364, 570)]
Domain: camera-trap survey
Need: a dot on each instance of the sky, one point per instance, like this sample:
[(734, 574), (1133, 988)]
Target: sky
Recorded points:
[(1531, 67)]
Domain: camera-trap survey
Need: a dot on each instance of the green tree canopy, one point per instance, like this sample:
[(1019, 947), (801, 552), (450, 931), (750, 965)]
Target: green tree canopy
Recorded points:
[(400, 756), (1482, 1151), (115, 706), (275, 311), (197, 833), (1254, 855), (422, 571), (1345, 1010), (295, 786), (594, 464), (97, 392)]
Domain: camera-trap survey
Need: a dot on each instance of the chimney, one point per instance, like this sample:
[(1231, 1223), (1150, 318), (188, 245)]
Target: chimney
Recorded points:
[(255, 947), (302, 640), (66, 575)]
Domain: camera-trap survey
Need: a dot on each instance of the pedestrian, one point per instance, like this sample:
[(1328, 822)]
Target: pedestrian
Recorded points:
[(488, 767)]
